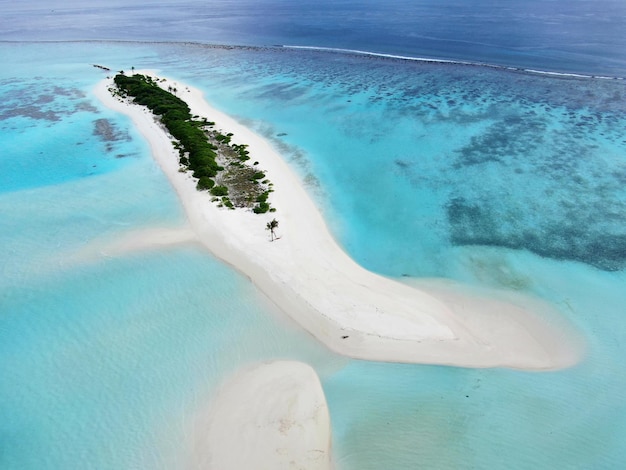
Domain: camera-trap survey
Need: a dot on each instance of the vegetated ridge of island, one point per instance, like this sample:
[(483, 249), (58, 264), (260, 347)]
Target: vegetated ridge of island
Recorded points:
[(219, 165)]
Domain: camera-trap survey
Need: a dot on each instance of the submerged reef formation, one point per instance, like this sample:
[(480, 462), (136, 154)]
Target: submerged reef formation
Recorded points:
[(479, 224)]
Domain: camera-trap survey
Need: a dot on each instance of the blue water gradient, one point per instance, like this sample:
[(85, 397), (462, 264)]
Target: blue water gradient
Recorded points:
[(568, 36), (498, 179)]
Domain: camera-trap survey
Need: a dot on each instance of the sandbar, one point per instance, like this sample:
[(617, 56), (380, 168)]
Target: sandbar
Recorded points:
[(267, 416), (308, 276)]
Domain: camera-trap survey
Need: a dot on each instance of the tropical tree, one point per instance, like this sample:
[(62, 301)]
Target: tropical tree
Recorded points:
[(271, 226)]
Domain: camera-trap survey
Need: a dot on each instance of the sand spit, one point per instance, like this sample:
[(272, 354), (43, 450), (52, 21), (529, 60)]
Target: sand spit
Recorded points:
[(351, 310)]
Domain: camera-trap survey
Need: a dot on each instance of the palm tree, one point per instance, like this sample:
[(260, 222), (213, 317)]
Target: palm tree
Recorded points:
[(271, 226)]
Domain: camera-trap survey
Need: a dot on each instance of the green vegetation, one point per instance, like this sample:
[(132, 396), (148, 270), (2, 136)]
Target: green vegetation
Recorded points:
[(205, 183), (219, 191), (202, 150), (262, 205), (261, 208), (199, 154)]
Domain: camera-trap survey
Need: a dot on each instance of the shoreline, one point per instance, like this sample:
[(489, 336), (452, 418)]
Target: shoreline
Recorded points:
[(308, 276)]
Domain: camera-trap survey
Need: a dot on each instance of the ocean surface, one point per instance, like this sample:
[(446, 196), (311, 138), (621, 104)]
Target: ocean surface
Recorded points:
[(492, 176)]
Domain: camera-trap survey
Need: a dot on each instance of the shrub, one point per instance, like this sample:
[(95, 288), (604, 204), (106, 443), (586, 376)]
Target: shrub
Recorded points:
[(205, 183), (219, 191), (262, 208), (225, 139)]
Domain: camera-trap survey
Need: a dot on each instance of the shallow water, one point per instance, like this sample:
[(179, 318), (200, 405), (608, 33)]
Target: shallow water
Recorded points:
[(493, 178), (421, 170)]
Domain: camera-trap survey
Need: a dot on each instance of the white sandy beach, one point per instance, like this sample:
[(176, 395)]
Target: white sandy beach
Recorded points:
[(353, 311), (268, 416)]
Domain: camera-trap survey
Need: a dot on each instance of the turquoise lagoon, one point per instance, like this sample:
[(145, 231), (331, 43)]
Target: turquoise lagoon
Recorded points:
[(494, 178)]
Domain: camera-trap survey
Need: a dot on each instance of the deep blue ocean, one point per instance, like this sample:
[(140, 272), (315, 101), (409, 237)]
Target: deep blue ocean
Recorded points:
[(489, 175)]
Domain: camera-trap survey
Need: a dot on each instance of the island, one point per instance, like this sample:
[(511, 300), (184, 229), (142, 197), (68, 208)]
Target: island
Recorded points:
[(310, 278)]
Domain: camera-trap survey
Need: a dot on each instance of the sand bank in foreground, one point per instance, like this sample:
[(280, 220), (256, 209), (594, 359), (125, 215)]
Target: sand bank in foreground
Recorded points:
[(269, 416), (353, 311)]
